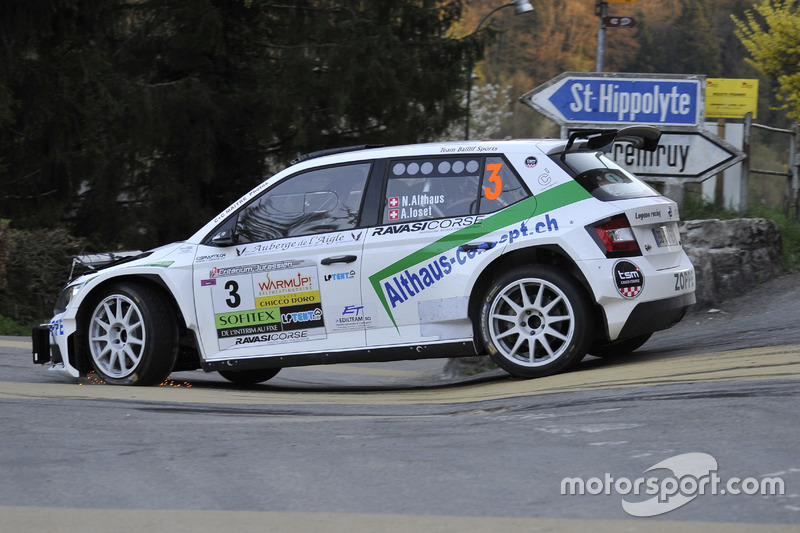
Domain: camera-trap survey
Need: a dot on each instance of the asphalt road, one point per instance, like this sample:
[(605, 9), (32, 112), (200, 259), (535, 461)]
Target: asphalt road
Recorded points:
[(398, 447)]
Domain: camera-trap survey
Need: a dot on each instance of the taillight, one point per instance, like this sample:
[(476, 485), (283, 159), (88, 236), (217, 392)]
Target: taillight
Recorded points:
[(616, 237)]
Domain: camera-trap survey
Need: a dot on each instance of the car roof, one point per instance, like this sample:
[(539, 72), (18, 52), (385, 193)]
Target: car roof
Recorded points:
[(362, 152)]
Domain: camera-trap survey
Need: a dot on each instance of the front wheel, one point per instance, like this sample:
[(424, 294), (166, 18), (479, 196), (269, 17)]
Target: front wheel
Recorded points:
[(131, 335), (535, 321)]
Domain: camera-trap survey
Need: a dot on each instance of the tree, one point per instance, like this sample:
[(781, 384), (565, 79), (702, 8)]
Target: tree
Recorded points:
[(695, 48), (771, 34), (135, 122)]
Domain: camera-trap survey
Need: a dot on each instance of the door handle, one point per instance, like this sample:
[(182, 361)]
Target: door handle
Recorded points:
[(339, 259)]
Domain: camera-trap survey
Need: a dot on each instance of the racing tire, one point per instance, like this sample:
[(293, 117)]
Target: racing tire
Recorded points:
[(535, 321), (619, 347), (249, 377), (130, 334)]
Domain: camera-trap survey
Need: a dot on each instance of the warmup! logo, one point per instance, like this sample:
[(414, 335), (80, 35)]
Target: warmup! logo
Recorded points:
[(692, 475)]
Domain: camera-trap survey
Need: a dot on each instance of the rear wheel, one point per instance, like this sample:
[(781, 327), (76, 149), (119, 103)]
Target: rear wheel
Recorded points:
[(249, 377), (131, 335), (535, 321)]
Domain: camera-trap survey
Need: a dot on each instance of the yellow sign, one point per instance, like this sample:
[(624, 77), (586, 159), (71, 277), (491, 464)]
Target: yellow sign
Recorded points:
[(731, 98)]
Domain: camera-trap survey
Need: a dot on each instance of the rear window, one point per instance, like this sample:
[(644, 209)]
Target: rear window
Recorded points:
[(602, 177)]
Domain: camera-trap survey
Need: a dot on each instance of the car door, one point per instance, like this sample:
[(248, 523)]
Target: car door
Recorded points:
[(290, 283), (431, 244)]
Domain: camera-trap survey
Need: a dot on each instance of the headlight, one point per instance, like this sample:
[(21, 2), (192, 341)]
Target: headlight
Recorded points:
[(66, 297)]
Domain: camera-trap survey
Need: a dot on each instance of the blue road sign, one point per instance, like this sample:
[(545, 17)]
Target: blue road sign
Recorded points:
[(604, 98)]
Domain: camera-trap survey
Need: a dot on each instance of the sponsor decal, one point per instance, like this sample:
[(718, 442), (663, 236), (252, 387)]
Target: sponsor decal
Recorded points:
[(266, 303), (339, 276), (530, 162), (302, 317), (684, 280), (545, 179), (429, 225), (647, 214), (557, 197), (209, 257), (469, 148), (56, 327), (295, 298), (295, 282), (409, 283), (281, 336), (217, 272), (311, 241), (241, 323), (159, 264), (628, 278), (351, 317)]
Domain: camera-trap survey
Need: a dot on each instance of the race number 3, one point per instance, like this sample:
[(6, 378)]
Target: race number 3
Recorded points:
[(493, 192), (233, 291)]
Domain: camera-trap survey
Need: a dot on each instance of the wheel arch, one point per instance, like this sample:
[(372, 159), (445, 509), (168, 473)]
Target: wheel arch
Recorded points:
[(552, 255), (186, 335)]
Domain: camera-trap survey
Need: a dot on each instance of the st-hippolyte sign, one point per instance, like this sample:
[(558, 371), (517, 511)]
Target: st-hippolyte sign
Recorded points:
[(581, 98)]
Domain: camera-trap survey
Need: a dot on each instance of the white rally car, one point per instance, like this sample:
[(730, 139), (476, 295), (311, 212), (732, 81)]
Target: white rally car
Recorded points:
[(534, 252)]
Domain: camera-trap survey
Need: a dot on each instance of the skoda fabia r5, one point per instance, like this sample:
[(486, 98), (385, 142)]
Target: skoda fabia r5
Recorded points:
[(533, 252)]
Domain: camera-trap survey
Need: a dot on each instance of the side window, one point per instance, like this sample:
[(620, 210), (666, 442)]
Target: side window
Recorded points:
[(422, 189), (500, 186), (318, 201)]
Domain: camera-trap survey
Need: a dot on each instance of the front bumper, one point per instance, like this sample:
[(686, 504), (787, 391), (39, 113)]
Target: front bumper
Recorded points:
[(43, 351), (53, 345)]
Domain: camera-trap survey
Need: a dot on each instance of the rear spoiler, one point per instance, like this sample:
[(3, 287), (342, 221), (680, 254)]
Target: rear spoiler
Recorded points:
[(641, 137)]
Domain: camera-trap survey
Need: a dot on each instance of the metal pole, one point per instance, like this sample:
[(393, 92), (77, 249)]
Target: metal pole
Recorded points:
[(794, 160), (601, 8), (743, 184)]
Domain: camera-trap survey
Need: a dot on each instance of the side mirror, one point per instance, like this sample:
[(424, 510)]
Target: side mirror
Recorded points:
[(225, 237)]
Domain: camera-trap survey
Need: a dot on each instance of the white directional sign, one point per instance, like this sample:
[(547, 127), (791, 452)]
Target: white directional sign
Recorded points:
[(691, 155), (574, 98)]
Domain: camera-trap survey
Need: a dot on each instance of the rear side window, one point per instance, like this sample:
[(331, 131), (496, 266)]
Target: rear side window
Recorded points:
[(602, 177), (422, 189)]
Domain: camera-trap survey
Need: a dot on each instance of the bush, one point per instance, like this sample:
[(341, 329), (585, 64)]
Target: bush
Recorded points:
[(36, 268)]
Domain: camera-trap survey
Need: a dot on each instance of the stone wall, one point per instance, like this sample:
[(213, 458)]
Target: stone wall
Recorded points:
[(731, 256)]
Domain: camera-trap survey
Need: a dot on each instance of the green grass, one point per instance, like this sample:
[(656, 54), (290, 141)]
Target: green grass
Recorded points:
[(789, 227), (10, 328)]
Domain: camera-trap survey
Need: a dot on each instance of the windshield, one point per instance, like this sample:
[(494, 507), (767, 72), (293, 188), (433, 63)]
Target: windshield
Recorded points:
[(602, 177)]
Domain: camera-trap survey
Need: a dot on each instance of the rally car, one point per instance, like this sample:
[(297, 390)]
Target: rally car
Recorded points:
[(534, 252)]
